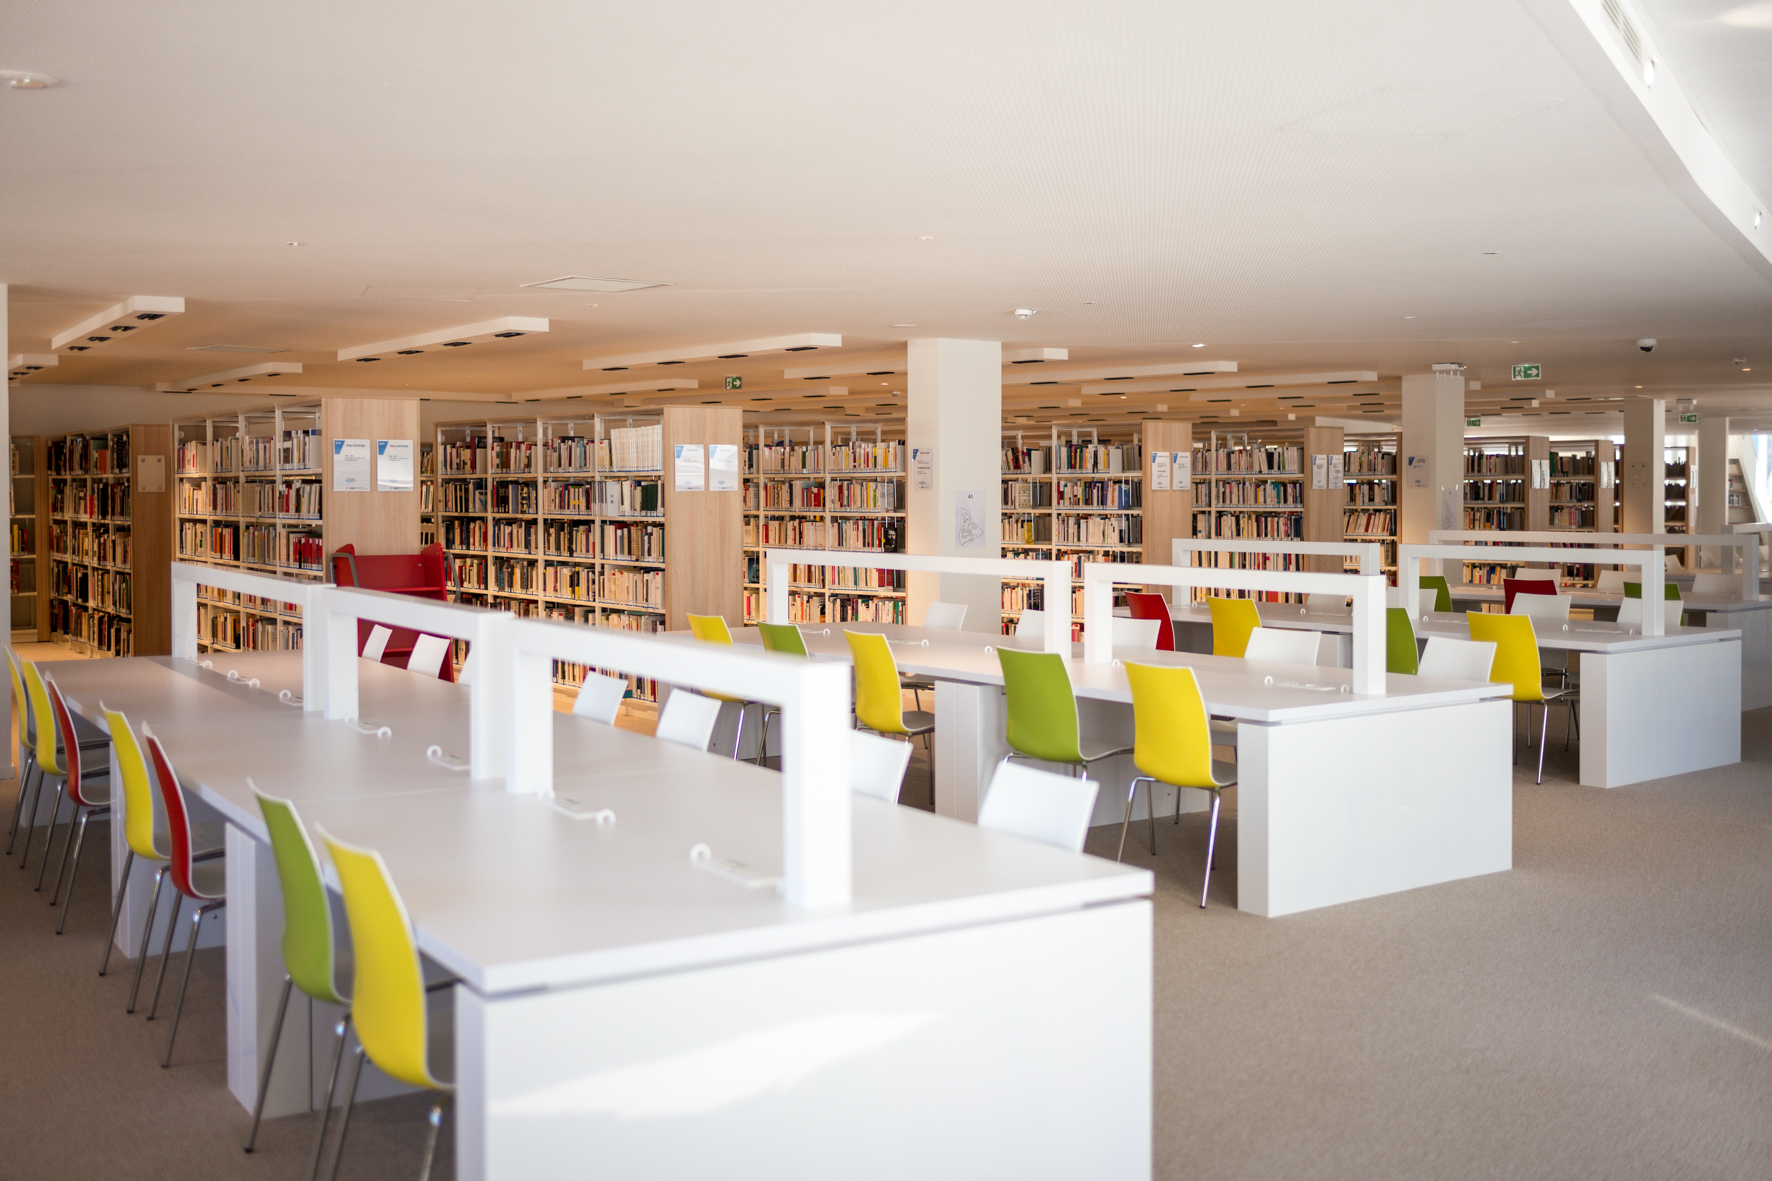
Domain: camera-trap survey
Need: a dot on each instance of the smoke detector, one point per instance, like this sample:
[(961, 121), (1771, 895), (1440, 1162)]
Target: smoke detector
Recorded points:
[(1448, 367)]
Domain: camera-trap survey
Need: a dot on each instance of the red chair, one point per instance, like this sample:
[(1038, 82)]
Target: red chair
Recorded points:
[(1148, 606), (1524, 586), (424, 575), (203, 882), (90, 799)]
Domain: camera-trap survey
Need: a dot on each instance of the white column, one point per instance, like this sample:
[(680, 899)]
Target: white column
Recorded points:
[(6, 534), (1432, 462), (1709, 485), (955, 411), (1643, 471)]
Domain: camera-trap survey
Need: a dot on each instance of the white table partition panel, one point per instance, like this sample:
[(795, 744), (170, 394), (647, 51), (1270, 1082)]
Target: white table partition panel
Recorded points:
[(1648, 561), (186, 578), (814, 701), (1366, 590), (1367, 551), (1747, 543)]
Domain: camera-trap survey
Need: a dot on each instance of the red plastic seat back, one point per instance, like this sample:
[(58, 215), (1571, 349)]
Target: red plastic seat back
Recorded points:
[(178, 819), (69, 741), (1524, 586), (1149, 606)]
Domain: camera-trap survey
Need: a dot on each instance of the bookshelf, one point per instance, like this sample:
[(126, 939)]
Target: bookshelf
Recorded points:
[(1372, 481), (427, 493), (1675, 497), (110, 586), (827, 490), (1246, 489), (255, 490), (30, 538)]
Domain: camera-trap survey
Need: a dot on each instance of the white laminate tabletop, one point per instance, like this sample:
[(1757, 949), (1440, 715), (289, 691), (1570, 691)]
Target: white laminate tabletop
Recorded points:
[(1289, 616), (1587, 597), (1583, 635)]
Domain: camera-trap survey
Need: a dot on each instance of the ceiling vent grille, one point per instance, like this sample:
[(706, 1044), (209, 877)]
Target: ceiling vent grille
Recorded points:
[(1627, 32)]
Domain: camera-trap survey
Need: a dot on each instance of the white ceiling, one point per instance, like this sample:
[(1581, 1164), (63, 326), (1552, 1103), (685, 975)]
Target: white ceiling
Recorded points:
[(1300, 186)]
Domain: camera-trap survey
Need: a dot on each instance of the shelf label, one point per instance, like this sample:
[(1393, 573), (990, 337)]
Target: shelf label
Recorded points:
[(690, 476), (393, 465), (350, 465), (1528, 372), (723, 467)]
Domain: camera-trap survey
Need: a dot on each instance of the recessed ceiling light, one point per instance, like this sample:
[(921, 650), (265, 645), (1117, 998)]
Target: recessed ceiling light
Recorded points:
[(925, 237), (1200, 346), (1490, 253), (582, 283), (906, 325), (295, 243), (231, 348), (1408, 317), (26, 80)]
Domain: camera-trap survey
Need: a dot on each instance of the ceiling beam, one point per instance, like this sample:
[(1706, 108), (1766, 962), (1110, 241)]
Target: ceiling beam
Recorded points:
[(118, 321), (732, 351), (1031, 376), (504, 326), (247, 373)]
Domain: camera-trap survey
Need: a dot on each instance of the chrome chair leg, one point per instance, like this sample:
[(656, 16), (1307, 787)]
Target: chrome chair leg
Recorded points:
[(74, 870), (338, 1056), (117, 911), (264, 1076), (49, 841), (190, 955), (344, 1121), (436, 1122), (25, 770), (1131, 794), (738, 733), (1545, 707), (1211, 847), (141, 954), (178, 905), (1150, 809)]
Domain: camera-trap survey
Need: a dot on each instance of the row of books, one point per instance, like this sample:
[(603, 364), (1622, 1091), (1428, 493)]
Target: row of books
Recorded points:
[(1117, 494), (1254, 458), (103, 630), (1276, 493), (89, 455), (104, 501), (110, 547), (1116, 530), (804, 608), (107, 590), (1026, 494), (1368, 522), (1231, 526)]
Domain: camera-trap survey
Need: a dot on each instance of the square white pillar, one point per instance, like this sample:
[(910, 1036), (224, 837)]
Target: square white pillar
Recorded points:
[(1431, 467), (1644, 474), (1707, 485), (954, 420)]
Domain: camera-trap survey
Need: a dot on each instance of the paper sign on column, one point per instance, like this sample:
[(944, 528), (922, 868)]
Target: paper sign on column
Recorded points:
[(350, 465), (1319, 472), (393, 465), (1181, 470), (150, 473), (722, 467), (1449, 503), (969, 521), (690, 474), (1415, 471), (1337, 470), (923, 467), (1159, 471)]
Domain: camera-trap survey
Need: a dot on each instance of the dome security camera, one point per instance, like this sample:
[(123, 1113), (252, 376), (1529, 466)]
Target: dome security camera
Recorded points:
[(1024, 313), (1647, 344)]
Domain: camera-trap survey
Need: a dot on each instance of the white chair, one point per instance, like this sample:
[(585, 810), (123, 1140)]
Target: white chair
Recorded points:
[(377, 642), (600, 697), (1325, 603), (1136, 633), (1282, 646), (1727, 586), (1612, 582), (1031, 623), (428, 654), (1671, 563), (945, 616), (688, 719), (1630, 613), (1456, 660), (1549, 608), (1429, 599), (1039, 805), (877, 765), (465, 675)]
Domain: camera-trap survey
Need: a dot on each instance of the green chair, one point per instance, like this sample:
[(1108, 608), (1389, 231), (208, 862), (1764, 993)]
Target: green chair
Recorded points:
[(1232, 621), (1400, 654), (786, 639), (1043, 711), (1174, 746), (1442, 591)]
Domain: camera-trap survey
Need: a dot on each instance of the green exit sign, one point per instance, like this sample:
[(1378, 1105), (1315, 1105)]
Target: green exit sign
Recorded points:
[(1688, 418), (734, 382), (1528, 372), (1473, 422)]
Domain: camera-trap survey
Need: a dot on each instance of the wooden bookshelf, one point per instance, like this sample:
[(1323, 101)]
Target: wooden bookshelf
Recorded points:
[(1373, 482), (30, 539), (110, 506), (1248, 489)]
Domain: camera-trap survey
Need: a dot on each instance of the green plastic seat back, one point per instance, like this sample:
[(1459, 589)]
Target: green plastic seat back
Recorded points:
[(1400, 655), (1443, 595), (1669, 590), (783, 637), (307, 916), (1042, 709)]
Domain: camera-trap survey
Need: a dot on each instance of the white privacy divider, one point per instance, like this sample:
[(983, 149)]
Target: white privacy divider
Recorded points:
[(1409, 558), (1056, 577), (307, 595), (1366, 590), (482, 628), (1728, 543), (1366, 551), (814, 700)]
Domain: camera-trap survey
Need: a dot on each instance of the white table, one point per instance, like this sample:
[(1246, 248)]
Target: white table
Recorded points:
[(1341, 796), (620, 1006)]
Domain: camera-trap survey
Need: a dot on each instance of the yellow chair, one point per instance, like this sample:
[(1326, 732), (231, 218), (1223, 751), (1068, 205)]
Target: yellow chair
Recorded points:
[(1516, 663), (712, 629), (1232, 621), (879, 696), (387, 989), (1171, 744), (50, 761)]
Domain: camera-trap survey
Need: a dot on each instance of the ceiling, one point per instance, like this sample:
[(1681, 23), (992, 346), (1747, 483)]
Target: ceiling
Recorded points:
[(1298, 187)]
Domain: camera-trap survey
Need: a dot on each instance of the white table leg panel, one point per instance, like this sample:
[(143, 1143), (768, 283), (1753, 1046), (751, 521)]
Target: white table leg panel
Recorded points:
[(1756, 653), (1334, 811), (1018, 1049), (1648, 715), (969, 722)]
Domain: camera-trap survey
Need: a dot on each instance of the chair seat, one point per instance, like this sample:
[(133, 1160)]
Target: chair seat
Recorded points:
[(1224, 774), (1092, 753), (916, 682), (210, 879), (1224, 731), (918, 721)]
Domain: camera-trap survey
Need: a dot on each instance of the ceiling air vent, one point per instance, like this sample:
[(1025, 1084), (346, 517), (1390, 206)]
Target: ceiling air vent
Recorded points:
[(1627, 32)]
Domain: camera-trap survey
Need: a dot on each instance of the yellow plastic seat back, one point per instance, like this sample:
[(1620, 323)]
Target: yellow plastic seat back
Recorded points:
[(879, 701), (1172, 741), (388, 992), (138, 789), (1516, 652), (1232, 621), (46, 746), (712, 629), (27, 727)]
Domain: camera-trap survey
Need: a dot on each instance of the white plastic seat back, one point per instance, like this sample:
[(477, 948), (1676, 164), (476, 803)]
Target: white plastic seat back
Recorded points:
[(877, 765), (687, 719), (1457, 660), (1630, 613), (1612, 582), (1671, 563), (1282, 646), (1430, 598), (1031, 623), (465, 675), (945, 616), (1039, 805), (1136, 633), (1727, 585), (428, 654), (599, 698), (1325, 602), (377, 643), (1550, 608)]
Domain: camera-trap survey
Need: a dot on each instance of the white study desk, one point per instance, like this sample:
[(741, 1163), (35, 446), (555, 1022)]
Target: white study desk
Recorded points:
[(1341, 796), (620, 1005)]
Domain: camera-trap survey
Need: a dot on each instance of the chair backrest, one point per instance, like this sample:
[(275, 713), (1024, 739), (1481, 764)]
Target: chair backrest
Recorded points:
[(1282, 645), (945, 616), (879, 698), (45, 730), (1610, 582), (600, 698), (466, 675), (1317, 602), (1442, 591), (1457, 660), (70, 741), (1669, 590), (178, 817), (1146, 605), (1232, 621), (428, 654), (307, 914), (784, 638), (1039, 805), (1399, 642), (1524, 586), (1516, 652), (27, 723), (1032, 622), (1172, 740), (1550, 608), (1671, 562), (377, 643), (1728, 585), (1042, 709), (687, 719), (710, 628), (1135, 633), (1630, 613), (388, 986), (138, 787), (876, 765)]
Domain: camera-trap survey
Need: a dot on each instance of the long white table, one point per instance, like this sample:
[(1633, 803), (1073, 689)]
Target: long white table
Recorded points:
[(1341, 796), (621, 1006)]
